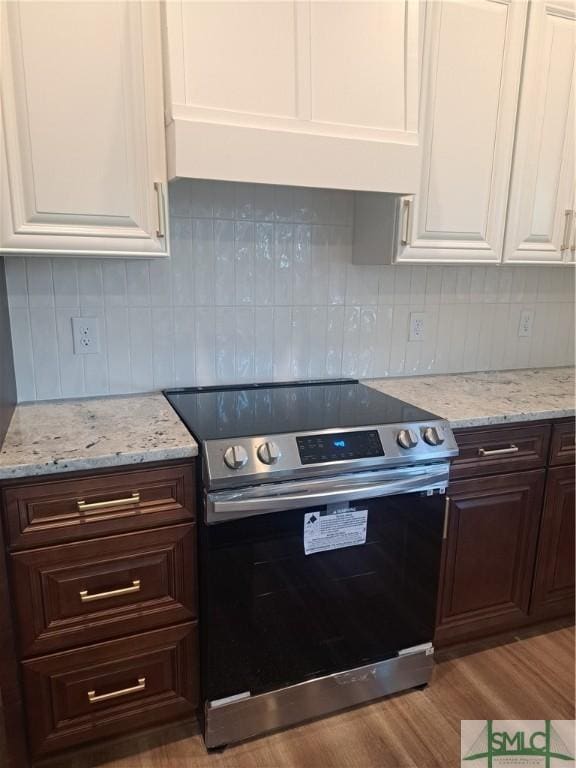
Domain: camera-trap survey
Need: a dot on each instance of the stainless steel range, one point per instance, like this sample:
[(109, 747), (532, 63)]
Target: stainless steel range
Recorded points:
[(320, 541)]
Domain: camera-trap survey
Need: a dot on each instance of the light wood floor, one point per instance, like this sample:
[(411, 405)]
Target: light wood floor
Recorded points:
[(528, 677)]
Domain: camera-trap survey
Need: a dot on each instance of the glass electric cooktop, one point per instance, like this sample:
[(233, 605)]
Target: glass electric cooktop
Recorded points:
[(270, 409)]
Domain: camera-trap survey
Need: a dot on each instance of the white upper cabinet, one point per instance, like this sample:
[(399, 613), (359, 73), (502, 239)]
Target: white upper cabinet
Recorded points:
[(82, 144), (541, 207), (309, 92), (471, 73)]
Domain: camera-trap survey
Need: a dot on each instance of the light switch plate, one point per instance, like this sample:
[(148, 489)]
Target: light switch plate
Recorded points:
[(86, 335)]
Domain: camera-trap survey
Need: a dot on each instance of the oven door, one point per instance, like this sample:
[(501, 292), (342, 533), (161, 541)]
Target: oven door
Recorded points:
[(273, 615)]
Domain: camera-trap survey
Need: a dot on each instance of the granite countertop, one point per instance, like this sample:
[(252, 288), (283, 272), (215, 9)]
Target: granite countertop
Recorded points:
[(68, 435), (480, 399)]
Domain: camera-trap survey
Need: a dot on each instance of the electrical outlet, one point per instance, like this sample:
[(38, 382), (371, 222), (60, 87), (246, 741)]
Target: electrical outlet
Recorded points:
[(417, 326), (525, 325), (85, 333)]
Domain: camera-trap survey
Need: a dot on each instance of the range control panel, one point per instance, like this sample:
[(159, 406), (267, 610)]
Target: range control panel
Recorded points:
[(316, 449)]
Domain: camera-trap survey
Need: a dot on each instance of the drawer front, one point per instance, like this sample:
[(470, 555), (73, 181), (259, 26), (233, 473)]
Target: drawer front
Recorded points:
[(82, 508), (75, 594), (563, 444), (79, 696), (499, 450)]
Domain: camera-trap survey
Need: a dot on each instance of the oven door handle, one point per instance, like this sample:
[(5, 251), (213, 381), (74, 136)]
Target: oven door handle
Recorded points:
[(231, 505)]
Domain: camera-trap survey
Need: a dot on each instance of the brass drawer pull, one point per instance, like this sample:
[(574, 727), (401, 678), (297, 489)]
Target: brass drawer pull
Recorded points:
[(498, 451), (86, 598), (84, 506), (94, 699)]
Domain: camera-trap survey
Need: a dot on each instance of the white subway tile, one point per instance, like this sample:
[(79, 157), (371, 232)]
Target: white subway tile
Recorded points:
[(264, 265), (318, 336), (138, 282), (118, 349), (418, 284), (367, 347), (264, 202), (282, 343), (300, 343), (399, 340), (202, 202), (264, 353), (203, 262), (505, 284), (283, 264), (498, 345), (224, 199), (402, 284), (433, 285), (458, 338), (205, 345), (386, 281), (244, 202), (180, 198), (163, 346), (141, 365), (244, 262), (16, 281), (181, 260), (45, 352), (23, 355), (352, 341), (303, 265), (114, 283), (184, 346), (334, 340), (225, 344), (449, 283), (284, 203), (90, 287), (303, 205), (160, 283), (224, 266), (477, 279), (40, 285), (491, 284), (245, 343), (463, 281), (383, 343)]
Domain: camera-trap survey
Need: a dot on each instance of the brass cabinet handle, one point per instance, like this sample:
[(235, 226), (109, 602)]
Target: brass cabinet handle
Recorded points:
[(407, 220), (568, 214), (86, 598), (84, 506), (94, 699), (159, 189), (498, 451), (446, 517)]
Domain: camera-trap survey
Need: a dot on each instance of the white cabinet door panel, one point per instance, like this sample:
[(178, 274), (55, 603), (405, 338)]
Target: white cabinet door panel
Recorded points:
[(471, 74), (543, 175), (81, 92)]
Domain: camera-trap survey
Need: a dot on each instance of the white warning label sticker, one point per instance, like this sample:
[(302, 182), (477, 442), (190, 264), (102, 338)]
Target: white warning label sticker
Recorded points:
[(334, 529)]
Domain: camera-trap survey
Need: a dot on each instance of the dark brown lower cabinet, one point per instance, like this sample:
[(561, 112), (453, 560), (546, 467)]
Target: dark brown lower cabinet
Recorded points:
[(489, 555), (110, 688), (553, 593)]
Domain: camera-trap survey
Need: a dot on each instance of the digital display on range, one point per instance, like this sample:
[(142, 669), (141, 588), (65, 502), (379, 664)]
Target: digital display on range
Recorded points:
[(315, 449)]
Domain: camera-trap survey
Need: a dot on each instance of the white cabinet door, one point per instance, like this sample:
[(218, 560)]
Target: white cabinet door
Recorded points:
[(542, 188), (306, 92), (471, 74), (82, 128)]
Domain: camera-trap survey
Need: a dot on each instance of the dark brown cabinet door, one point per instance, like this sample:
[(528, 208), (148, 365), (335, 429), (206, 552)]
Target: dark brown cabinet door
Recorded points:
[(553, 593), (489, 554)]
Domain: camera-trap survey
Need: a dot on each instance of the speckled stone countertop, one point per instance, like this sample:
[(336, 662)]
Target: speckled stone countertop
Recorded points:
[(480, 399), (68, 435)]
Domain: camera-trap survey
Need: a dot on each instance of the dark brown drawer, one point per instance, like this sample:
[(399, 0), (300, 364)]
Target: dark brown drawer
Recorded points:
[(76, 594), (66, 510), (90, 693), (563, 444), (500, 449)]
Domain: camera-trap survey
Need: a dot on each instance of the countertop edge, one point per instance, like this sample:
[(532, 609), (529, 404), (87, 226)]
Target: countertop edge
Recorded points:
[(511, 418), (45, 469)]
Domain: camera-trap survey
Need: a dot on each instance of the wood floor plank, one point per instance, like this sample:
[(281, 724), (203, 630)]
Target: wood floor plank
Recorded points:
[(527, 678)]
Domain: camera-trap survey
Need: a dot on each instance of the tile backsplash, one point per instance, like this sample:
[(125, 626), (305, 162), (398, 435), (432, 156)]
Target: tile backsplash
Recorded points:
[(260, 286)]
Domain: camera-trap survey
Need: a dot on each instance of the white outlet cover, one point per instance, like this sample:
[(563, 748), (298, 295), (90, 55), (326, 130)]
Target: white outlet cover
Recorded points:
[(417, 326), (525, 324), (86, 335)]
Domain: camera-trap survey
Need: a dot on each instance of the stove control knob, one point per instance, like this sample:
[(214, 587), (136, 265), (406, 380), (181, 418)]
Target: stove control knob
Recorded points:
[(269, 453), (407, 438), (433, 436), (235, 457)]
